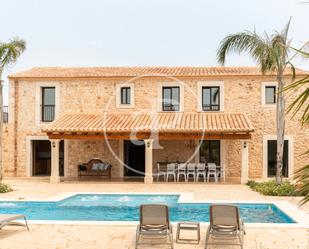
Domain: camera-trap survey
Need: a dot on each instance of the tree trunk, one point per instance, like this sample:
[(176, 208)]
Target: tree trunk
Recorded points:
[(1, 127), (280, 127)]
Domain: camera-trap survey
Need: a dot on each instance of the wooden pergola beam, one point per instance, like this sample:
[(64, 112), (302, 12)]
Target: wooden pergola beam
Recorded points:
[(141, 136)]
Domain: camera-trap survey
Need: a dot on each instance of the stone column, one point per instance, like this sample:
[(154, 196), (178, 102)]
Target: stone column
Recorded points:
[(54, 176), (244, 162), (148, 161)]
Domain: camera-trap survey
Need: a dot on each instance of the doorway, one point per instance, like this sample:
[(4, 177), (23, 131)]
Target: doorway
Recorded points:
[(134, 157), (41, 158)]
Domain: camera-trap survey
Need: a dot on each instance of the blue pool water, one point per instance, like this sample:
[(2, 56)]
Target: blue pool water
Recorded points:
[(111, 207)]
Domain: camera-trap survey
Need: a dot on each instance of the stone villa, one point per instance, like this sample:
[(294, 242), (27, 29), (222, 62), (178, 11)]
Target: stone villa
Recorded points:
[(62, 117)]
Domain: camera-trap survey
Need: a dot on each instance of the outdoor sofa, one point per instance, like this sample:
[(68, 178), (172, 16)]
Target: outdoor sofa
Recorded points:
[(95, 167)]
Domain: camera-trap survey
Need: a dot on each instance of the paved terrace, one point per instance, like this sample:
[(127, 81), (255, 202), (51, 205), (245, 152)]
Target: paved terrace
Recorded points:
[(97, 236)]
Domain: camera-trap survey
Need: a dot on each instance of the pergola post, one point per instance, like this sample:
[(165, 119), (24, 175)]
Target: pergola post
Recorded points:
[(54, 176), (148, 161), (244, 162)]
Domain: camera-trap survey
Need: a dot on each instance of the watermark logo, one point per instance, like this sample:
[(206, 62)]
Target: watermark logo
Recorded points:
[(154, 107)]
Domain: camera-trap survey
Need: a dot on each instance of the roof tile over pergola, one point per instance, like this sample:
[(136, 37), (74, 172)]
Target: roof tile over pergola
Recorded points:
[(169, 126)]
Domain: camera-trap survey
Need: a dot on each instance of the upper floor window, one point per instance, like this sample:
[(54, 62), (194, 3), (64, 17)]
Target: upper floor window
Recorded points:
[(5, 114), (211, 98), (270, 94), (125, 95), (171, 98), (48, 104)]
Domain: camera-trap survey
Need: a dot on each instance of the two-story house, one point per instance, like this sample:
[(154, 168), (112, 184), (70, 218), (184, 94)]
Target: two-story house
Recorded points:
[(134, 117)]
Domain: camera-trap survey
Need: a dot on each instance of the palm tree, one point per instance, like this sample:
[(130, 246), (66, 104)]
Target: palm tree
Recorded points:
[(271, 54), (302, 175), (9, 53)]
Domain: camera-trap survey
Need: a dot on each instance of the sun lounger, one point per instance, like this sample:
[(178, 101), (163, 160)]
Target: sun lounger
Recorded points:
[(154, 223), (10, 220), (225, 224)]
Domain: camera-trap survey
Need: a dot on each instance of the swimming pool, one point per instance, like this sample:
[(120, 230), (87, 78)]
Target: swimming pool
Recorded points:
[(125, 207)]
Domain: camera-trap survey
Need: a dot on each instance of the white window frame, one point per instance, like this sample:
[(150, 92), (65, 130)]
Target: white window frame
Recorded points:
[(290, 138), (118, 95), (263, 91), (160, 96), (200, 86), (38, 101)]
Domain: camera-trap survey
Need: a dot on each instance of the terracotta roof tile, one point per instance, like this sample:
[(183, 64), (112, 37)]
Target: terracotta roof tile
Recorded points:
[(97, 72), (145, 122)]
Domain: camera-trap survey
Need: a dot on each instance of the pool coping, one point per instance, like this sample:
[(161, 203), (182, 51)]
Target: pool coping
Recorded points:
[(299, 216)]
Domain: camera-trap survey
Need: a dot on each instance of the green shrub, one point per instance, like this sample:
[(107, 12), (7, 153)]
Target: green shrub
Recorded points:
[(274, 189), (251, 184), (4, 188)]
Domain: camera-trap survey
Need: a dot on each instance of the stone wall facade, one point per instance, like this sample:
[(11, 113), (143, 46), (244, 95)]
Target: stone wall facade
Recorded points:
[(241, 94), (8, 150), (81, 151)]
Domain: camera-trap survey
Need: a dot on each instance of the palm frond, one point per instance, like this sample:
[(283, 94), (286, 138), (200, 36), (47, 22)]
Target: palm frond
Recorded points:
[(285, 31), (297, 84), (9, 52), (279, 50), (293, 70), (242, 42), (302, 179), (303, 53), (267, 62), (301, 100), (270, 52)]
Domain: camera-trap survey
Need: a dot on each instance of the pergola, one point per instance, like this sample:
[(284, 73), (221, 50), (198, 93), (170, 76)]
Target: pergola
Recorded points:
[(147, 126)]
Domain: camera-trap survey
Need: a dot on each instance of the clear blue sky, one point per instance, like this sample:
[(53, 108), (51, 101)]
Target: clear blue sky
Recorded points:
[(141, 32)]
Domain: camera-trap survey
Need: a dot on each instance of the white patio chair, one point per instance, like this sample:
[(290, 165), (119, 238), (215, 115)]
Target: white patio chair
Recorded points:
[(201, 171), (212, 171), (221, 172), (182, 171), (160, 172), (171, 171), (191, 171)]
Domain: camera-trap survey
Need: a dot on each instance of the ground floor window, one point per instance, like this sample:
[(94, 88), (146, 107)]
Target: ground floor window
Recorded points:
[(41, 158), (271, 158), (134, 157), (210, 151)]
